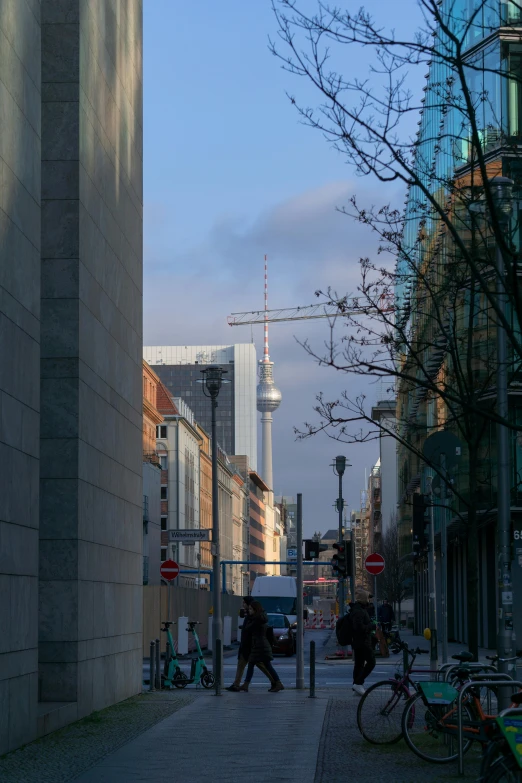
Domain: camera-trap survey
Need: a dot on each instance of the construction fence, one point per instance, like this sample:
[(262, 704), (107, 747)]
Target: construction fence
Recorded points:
[(184, 602)]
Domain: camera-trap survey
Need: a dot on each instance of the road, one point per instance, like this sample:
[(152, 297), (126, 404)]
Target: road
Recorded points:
[(329, 674)]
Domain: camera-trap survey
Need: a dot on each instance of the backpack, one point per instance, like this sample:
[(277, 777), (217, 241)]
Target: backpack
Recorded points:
[(344, 630)]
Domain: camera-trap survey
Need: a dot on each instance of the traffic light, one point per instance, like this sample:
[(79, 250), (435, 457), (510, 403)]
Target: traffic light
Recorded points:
[(342, 561), (312, 549), (419, 522)]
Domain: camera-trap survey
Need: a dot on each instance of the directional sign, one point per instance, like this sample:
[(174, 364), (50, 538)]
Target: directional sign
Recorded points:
[(374, 564), (184, 536), (169, 570)]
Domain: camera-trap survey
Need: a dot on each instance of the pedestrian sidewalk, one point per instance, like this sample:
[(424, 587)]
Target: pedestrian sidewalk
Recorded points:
[(413, 641), (256, 736)]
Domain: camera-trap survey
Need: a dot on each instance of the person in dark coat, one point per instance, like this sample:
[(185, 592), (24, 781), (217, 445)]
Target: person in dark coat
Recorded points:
[(363, 654), (245, 646), (261, 650), (386, 615)]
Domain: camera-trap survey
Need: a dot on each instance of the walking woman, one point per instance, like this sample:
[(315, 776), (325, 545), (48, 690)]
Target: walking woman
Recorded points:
[(261, 650)]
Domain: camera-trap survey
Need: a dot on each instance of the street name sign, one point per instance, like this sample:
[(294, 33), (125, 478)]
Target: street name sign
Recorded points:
[(189, 536), (374, 564), (169, 570)]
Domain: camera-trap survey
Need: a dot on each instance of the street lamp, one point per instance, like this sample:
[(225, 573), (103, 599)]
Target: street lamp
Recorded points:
[(212, 381), (339, 466), (501, 189)]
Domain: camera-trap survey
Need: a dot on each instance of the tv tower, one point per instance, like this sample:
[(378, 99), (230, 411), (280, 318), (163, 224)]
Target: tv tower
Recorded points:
[(268, 397)]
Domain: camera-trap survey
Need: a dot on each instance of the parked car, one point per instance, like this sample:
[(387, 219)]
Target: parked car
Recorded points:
[(284, 636)]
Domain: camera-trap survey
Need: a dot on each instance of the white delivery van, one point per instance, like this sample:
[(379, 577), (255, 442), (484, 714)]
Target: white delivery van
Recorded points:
[(277, 594)]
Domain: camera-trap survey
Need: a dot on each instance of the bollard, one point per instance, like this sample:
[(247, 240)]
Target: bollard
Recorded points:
[(151, 674), (158, 665), (405, 661), (312, 670), (217, 672)]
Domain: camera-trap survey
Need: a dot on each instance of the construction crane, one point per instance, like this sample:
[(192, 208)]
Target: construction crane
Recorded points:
[(344, 307)]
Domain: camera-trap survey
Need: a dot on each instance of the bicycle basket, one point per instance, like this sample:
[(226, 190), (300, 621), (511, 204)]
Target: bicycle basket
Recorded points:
[(438, 692), (511, 727)]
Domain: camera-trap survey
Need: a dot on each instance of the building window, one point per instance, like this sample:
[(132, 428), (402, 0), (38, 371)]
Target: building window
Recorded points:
[(163, 553), (161, 431), (163, 523), (164, 493), (164, 462)]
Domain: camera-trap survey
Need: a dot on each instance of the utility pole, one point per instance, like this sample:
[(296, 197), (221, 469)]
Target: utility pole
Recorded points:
[(505, 591), (299, 671), (339, 466), (434, 652)]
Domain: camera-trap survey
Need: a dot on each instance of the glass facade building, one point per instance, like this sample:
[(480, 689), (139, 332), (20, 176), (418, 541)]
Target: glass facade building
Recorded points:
[(179, 367), (445, 165)]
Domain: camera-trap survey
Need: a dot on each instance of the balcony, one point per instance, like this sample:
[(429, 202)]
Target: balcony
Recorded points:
[(146, 517), (145, 570)]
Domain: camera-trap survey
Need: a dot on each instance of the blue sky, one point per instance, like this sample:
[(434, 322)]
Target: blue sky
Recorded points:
[(231, 174)]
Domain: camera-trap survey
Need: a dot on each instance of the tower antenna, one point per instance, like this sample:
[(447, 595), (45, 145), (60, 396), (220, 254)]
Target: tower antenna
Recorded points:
[(268, 396)]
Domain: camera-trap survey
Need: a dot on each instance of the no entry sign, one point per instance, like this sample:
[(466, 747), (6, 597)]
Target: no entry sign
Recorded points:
[(169, 570), (374, 564)]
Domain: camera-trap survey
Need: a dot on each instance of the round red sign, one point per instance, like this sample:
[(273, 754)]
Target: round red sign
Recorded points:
[(374, 564), (169, 570)]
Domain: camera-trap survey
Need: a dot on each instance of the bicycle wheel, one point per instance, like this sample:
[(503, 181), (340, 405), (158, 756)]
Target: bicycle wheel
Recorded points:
[(423, 730), (505, 770), (379, 712), (207, 679)]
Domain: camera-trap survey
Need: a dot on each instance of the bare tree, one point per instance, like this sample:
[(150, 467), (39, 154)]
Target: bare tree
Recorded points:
[(428, 322), (395, 581)]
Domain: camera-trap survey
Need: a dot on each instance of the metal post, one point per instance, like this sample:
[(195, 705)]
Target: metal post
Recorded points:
[(505, 640), (352, 567), (405, 661), (158, 665), (299, 670), (341, 538), (152, 658), (375, 596), (434, 653), (312, 669), (169, 618), (444, 566), (216, 553)]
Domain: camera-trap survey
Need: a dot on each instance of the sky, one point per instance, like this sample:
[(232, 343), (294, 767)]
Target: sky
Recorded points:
[(229, 175)]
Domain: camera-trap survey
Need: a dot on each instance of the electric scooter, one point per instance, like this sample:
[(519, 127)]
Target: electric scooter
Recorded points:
[(198, 669)]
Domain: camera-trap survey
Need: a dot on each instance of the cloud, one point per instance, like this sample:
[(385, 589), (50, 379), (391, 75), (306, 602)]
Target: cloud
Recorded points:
[(310, 245)]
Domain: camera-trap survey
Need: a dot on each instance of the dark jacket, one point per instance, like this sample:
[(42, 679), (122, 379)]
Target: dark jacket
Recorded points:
[(245, 641), (361, 624), (261, 650), (386, 613)]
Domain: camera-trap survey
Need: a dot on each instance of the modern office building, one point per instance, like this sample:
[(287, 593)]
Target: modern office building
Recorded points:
[(179, 367), (71, 501)]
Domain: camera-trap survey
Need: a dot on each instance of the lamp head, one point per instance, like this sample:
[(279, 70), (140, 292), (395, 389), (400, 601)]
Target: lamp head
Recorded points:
[(213, 379), (340, 464)]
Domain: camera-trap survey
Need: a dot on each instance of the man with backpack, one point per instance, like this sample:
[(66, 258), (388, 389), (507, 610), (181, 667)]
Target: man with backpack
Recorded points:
[(363, 654)]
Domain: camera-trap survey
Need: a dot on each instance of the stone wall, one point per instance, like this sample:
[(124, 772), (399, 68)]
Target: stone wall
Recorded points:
[(91, 423), (20, 367)]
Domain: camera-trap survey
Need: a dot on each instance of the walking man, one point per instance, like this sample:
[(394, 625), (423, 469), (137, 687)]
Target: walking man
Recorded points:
[(386, 616), (245, 648), (363, 654)]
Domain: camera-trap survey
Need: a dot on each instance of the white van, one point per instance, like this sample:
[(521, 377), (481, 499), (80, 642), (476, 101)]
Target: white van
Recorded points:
[(277, 594)]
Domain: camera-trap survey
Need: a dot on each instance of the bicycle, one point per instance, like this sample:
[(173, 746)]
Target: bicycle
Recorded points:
[(378, 713), (429, 720)]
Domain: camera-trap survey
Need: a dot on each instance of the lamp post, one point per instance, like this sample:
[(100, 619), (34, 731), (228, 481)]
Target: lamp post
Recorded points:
[(339, 466), (502, 194), (212, 381)]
